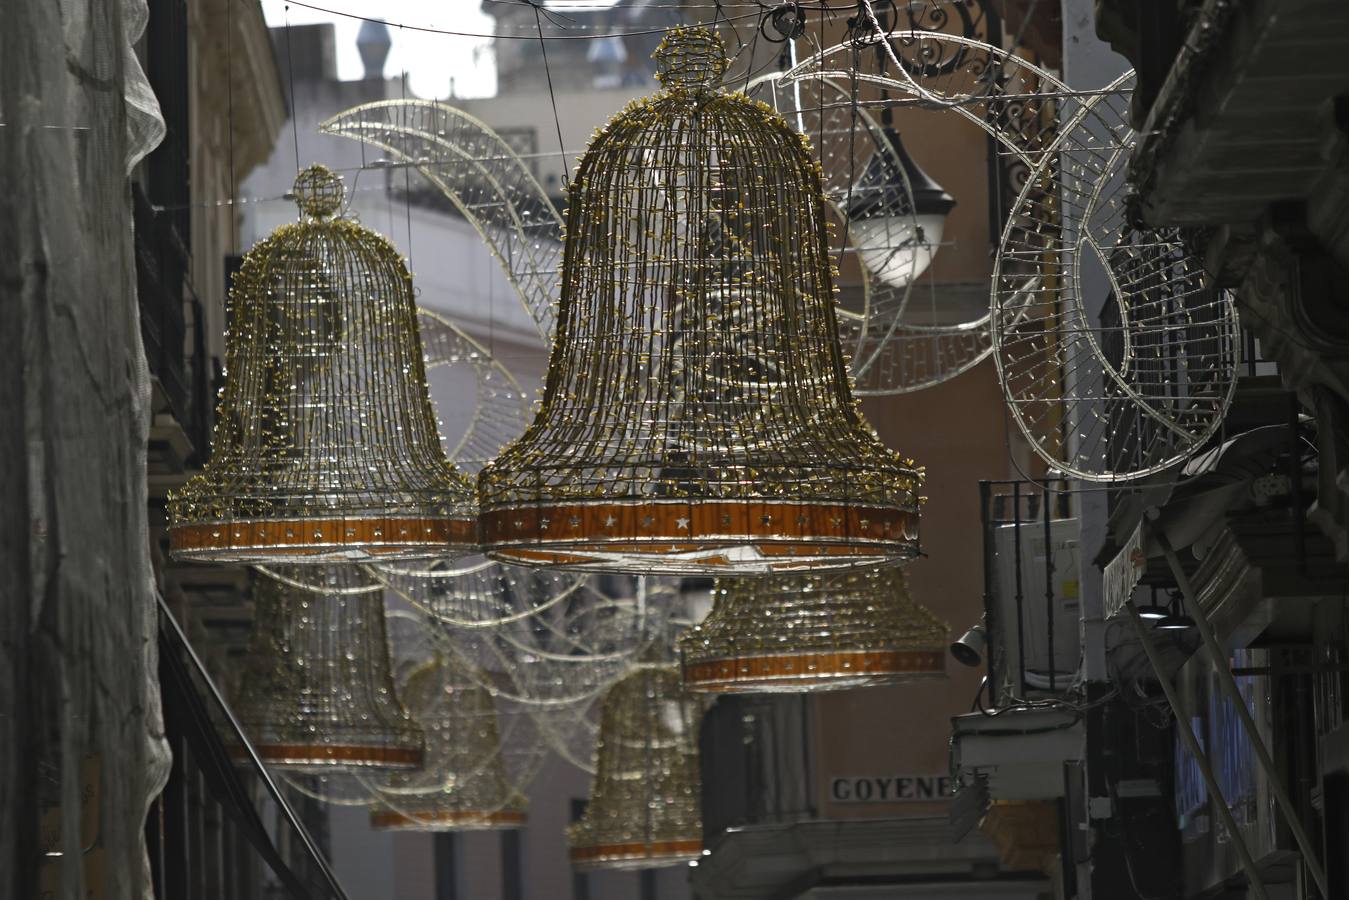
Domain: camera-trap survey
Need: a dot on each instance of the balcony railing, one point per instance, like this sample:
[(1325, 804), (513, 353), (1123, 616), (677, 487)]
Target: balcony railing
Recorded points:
[(1031, 603), (222, 829)]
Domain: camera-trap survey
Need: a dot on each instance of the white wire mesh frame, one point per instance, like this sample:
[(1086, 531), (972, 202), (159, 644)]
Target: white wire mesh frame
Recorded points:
[(1122, 362), (485, 180), (842, 136), (1012, 100)]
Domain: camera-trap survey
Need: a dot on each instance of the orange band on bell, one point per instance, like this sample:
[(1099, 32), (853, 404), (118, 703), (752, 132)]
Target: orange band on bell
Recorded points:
[(636, 850), (716, 674), (377, 535)]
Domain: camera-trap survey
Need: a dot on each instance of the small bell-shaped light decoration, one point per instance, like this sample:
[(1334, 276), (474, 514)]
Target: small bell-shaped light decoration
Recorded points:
[(317, 692), (462, 784), (645, 806), (896, 237), (817, 632), (325, 443), (697, 415)]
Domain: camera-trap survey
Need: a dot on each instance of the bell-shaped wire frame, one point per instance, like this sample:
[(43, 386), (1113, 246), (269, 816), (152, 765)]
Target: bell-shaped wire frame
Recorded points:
[(463, 783), (697, 415), (819, 632), (317, 692), (325, 444), (645, 806)]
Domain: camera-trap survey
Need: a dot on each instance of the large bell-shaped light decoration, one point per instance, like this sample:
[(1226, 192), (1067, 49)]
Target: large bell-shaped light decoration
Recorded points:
[(817, 632), (645, 806), (462, 784), (325, 443), (317, 690), (895, 235), (697, 415)]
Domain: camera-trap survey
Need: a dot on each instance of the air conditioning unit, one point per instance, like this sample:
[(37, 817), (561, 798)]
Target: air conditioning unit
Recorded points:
[(1027, 596)]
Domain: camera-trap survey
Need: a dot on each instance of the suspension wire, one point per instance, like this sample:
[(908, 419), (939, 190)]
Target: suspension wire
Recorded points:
[(552, 96), (290, 67), (229, 118), (509, 37)]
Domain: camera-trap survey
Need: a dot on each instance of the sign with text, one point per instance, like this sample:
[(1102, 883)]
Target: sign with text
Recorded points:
[(889, 788)]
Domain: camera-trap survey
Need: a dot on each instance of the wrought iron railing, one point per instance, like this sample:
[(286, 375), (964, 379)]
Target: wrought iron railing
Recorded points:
[(1031, 602), (222, 827)]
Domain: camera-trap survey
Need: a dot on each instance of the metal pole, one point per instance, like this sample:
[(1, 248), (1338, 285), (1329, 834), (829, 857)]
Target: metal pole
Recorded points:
[(1049, 582), (1020, 597), (1218, 655), (1191, 743), (991, 623)]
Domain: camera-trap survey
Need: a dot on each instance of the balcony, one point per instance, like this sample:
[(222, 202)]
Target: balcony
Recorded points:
[(1027, 727), (174, 338)]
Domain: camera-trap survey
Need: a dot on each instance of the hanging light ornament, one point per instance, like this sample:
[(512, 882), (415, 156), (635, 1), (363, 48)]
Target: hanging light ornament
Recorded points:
[(462, 784), (325, 444), (697, 415), (317, 690), (897, 212), (816, 632), (645, 804)]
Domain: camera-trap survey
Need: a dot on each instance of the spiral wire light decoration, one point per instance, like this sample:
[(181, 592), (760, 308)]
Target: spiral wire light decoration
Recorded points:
[(697, 415), (488, 183), (645, 804), (816, 632), (325, 445), (1123, 363), (462, 784), (317, 691)]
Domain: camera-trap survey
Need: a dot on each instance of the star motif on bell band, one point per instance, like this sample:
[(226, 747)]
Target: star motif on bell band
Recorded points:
[(648, 521), (574, 521), (544, 523), (610, 521), (682, 522), (767, 520)]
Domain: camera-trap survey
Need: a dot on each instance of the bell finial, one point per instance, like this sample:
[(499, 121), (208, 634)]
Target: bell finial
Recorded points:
[(691, 59), (318, 190)]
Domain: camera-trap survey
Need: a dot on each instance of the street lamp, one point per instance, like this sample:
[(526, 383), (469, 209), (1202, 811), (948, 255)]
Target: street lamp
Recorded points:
[(895, 236)]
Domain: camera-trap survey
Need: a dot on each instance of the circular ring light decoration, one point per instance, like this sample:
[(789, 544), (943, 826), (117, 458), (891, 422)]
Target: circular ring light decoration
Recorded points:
[(325, 445), (822, 632), (645, 806), (317, 692), (1123, 363), (842, 135), (917, 338), (697, 415)]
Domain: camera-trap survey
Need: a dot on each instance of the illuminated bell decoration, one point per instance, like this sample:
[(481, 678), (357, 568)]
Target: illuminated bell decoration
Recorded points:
[(325, 443), (317, 691), (645, 806), (815, 632), (697, 414), (462, 784), (896, 237)]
